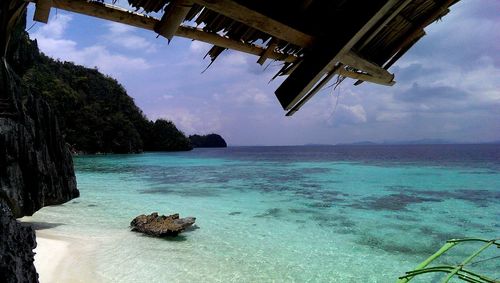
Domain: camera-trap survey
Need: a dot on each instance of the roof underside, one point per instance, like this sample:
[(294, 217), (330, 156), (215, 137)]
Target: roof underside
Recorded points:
[(316, 39)]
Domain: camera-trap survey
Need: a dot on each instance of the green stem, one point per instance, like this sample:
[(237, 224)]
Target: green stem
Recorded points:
[(442, 250), (467, 260)]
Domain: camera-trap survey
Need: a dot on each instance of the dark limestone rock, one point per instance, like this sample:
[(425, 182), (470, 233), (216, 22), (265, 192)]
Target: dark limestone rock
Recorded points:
[(36, 164), (161, 226), (16, 249), (36, 167)]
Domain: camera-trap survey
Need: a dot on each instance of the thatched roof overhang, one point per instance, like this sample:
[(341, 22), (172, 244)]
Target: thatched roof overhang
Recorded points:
[(315, 39)]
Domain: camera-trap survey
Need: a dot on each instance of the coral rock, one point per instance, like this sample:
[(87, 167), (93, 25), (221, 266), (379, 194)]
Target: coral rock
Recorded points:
[(161, 226)]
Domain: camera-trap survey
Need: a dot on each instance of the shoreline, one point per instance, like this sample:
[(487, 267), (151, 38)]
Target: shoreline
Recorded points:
[(50, 253), (60, 258)]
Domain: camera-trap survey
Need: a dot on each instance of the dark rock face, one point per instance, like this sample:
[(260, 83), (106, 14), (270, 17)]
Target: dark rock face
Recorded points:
[(36, 165), (161, 226), (211, 140), (16, 249)]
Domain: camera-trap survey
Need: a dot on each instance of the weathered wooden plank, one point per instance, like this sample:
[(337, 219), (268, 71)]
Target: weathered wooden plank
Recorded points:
[(414, 35), (256, 20), (339, 70), (403, 50), (418, 28), (42, 11), (354, 60), (313, 92), (316, 65), (215, 39), (270, 49), (173, 18), (107, 12), (384, 24), (120, 15), (364, 77)]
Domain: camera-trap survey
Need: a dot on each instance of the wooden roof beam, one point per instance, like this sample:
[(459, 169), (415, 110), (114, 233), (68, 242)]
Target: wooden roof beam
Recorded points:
[(273, 43), (120, 15), (42, 11), (386, 21), (418, 28), (321, 62), (215, 39), (107, 12), (341, 71), (256, 20), (315, 90), (364, 77), (415, 34), (173, 18), (380, 75)]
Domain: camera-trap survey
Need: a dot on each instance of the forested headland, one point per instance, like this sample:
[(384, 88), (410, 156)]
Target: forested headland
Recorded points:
[(95, 113)]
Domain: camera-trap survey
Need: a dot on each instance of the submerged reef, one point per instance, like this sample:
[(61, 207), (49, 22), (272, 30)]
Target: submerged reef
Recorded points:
[(401, 199)]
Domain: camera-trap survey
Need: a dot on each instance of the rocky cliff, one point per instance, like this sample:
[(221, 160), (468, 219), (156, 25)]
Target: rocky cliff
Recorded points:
[(36, 168), (16, 249), (36, 164)]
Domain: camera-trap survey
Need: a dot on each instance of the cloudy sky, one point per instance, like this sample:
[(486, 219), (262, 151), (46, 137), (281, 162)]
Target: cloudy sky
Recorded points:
[(448, 84)]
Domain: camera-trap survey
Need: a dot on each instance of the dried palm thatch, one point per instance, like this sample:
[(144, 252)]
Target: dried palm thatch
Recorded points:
[(315, 39)]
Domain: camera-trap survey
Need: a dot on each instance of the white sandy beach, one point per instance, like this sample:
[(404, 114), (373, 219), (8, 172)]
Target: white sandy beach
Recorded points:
[(49, 254), (63, 259)]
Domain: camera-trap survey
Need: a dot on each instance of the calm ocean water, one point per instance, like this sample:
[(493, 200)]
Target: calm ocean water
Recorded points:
[(284, 214)]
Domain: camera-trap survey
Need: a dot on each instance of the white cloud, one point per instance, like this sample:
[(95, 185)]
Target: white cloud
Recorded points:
[(345, 114), (191, 122), (390, 116), (250, 96), (118, 28), (199, 48), (122, 35), (234, 59), (51, 41), (56, 26)]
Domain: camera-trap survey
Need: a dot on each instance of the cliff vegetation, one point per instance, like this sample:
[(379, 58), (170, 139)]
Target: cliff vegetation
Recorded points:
[(94, 111)]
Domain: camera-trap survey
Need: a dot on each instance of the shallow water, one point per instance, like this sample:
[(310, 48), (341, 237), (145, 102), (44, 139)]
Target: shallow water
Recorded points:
[(284, 214)]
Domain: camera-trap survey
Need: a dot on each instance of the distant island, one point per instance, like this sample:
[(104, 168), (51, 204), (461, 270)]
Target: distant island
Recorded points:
[(416, 142), (95, 113), (211, 140)]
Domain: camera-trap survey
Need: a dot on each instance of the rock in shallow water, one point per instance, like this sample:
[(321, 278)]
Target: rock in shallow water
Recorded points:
[(161, 226)]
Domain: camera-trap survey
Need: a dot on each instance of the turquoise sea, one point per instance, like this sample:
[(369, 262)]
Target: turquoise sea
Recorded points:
[(284, 214)]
